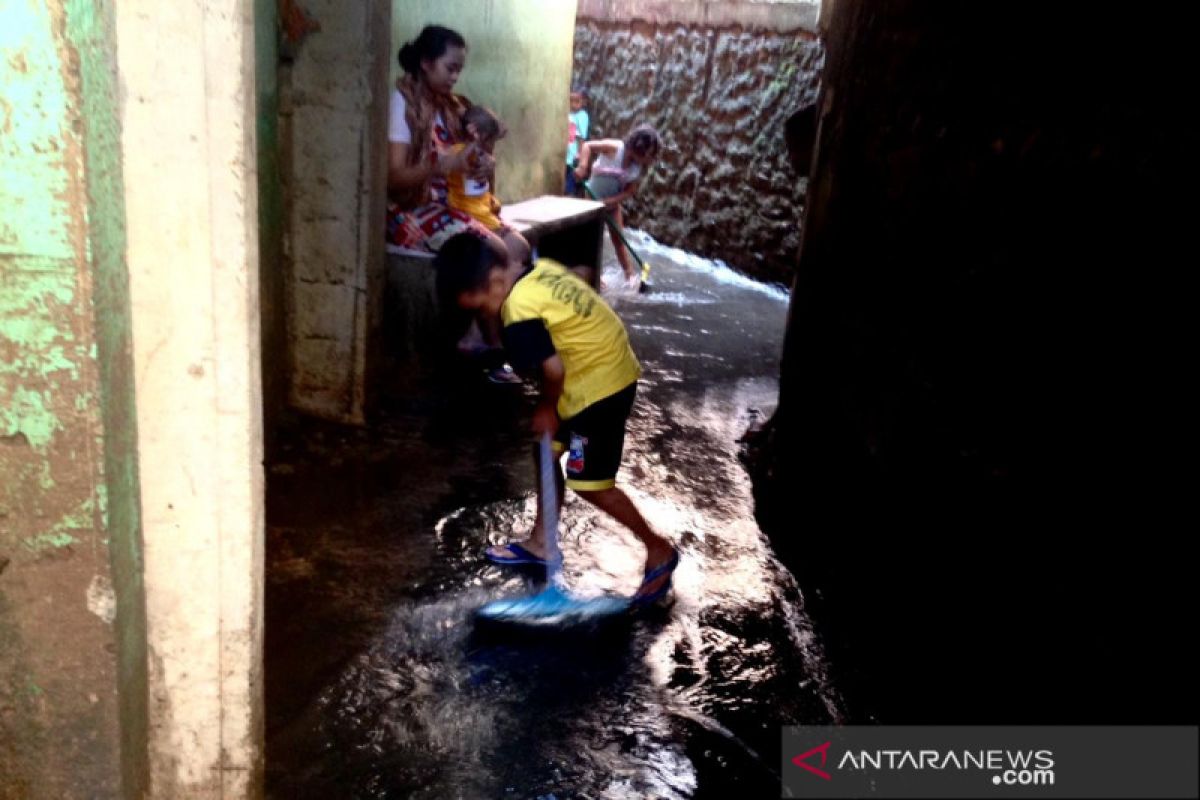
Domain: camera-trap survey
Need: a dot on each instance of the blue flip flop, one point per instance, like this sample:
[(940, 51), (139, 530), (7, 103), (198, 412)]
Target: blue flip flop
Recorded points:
[(665, 568), (519, 555)]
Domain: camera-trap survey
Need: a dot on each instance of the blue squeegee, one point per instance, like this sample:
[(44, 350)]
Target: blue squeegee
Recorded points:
[(553, 606)]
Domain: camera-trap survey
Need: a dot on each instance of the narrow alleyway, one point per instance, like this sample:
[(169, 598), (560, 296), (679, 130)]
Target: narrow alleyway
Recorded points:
[(378, 683)]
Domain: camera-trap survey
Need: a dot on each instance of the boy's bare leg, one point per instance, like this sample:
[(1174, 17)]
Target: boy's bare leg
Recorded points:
[(585, 274), (519, 252), (490, 326), (538, 534), (489, 329), (536, 543), (617, 505)]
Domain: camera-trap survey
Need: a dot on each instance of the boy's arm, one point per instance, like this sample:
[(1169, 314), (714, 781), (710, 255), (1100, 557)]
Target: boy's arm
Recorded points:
[(545, 416)]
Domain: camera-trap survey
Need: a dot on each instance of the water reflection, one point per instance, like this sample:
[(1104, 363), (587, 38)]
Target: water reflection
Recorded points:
[(686, 702)]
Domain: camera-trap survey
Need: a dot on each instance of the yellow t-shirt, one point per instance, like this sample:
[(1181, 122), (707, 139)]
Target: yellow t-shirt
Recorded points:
[(473, 197), (550, 310)]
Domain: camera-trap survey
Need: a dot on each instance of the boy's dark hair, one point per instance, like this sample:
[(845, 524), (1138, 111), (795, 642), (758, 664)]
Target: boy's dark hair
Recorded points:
[(485, 121), (580, 90), (429, 45), (463, 265), (643, 139)]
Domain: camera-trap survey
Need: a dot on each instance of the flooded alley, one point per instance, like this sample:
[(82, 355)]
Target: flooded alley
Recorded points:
[(909, 407), (379, 684)]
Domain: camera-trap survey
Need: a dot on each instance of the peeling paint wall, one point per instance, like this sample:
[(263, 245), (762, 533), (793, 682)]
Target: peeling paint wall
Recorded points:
[(130, 402), (91, 28), (58, 663)]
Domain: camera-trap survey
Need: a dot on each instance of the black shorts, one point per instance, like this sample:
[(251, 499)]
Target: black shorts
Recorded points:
[(594, 440)]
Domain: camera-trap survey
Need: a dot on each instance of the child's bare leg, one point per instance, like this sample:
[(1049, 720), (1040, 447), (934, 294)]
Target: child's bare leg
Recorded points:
[(585, 274), (489, 326), (538, 534), (489, 329), (619, 246), (518, 252), (495, 243), (617, 505), (536, 543), (518, 247), (472, 341)]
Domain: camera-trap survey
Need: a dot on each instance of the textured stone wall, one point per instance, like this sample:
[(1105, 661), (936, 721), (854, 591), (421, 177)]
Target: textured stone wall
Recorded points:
[(719, 95)]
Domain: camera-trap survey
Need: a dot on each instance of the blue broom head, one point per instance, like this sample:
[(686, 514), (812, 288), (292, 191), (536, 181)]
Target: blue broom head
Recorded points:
[(553, 608)]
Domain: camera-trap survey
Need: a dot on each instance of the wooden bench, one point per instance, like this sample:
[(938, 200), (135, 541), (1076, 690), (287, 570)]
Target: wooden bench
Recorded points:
[(566, 229)]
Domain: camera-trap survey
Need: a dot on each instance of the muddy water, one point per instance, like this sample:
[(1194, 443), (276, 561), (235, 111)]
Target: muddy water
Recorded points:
[(380, 684)]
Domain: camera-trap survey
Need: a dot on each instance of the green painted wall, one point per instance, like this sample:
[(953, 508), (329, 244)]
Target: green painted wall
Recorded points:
[(519, 65), (90, 31), (69, 547)]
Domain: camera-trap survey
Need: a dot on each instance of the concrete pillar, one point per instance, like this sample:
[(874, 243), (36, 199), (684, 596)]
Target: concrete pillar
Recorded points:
[(188, 145), (333, 100)]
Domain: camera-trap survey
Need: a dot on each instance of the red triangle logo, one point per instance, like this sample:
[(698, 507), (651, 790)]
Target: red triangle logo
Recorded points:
[(801, 760)]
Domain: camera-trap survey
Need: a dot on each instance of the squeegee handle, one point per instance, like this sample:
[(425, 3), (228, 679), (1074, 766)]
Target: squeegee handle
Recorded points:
[(548, 483), (612, 223)]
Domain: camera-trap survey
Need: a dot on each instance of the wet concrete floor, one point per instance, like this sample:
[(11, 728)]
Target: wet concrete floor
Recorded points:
[(380, 685)]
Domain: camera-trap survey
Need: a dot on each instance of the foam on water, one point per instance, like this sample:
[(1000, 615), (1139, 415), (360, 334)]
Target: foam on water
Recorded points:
[(718, 269)]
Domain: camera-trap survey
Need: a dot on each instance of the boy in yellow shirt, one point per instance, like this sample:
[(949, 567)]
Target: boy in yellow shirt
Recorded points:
[(555, 324)]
